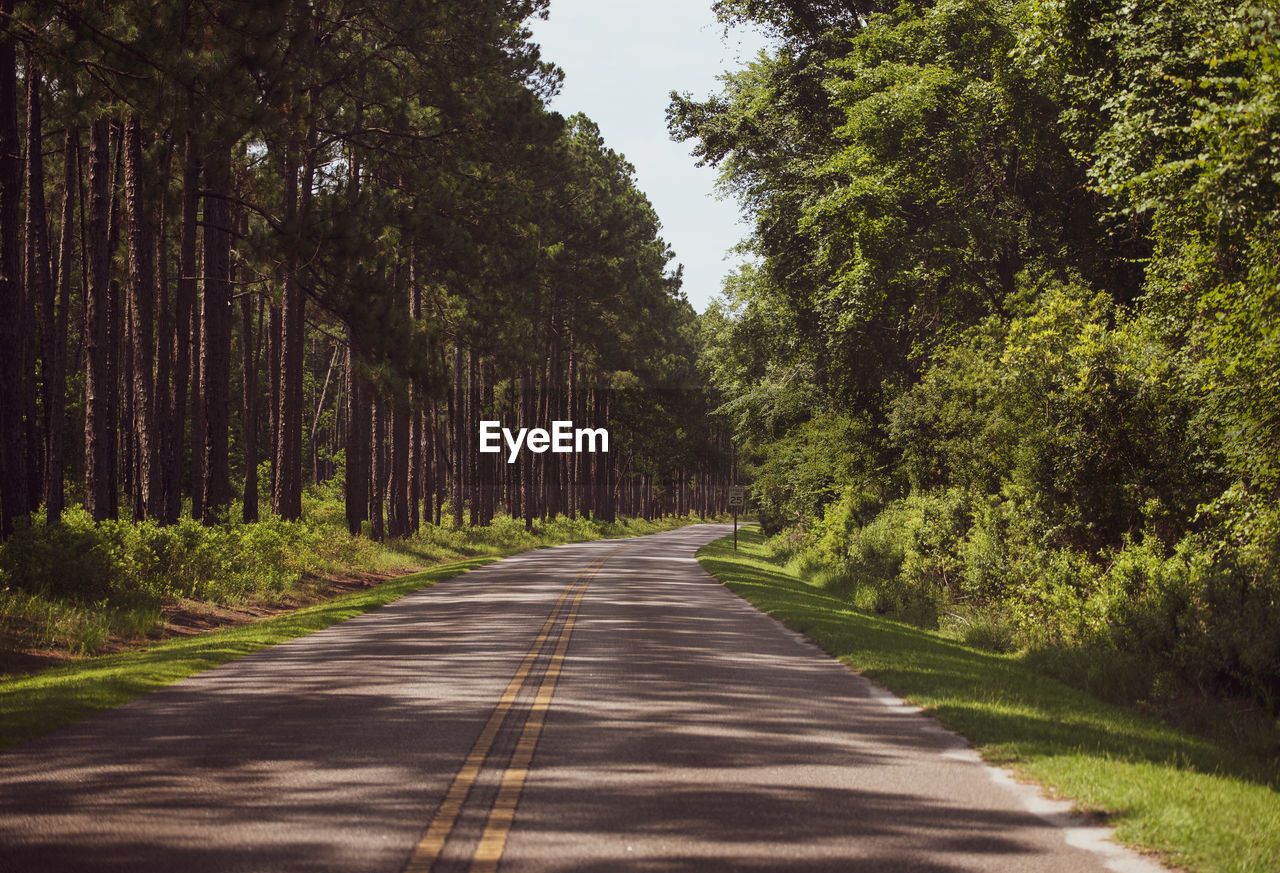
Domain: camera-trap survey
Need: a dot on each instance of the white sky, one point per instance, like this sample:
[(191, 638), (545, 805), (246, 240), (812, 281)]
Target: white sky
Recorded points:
[(621, 58)]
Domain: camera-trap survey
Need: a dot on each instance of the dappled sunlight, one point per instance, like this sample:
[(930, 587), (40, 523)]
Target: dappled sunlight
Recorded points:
[(687, 731)]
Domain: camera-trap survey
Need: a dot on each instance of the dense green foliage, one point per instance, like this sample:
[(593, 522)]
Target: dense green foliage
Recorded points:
[(1201, 805), (1009, 359), (73, 586), (334, 236)]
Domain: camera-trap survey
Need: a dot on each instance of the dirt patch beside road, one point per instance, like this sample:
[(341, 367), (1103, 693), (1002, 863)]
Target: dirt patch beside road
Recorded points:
[(184, 618)]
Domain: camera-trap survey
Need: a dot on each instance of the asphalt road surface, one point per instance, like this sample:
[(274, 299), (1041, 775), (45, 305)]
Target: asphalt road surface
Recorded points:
[(600, 706)]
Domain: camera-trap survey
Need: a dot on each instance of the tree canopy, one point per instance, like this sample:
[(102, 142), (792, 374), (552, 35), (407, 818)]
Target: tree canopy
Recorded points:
[(1010, 344)]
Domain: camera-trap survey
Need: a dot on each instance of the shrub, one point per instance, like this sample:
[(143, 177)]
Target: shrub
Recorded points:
[(75, 559)]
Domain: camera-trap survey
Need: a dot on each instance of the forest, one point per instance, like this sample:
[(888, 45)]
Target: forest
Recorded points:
[(1002, 359), (261, 255), (1005, 359)]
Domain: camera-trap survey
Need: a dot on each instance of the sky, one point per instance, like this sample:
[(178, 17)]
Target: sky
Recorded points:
[(621, 60)]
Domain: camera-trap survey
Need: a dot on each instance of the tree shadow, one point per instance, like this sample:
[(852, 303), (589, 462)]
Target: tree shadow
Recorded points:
[(992, 699)]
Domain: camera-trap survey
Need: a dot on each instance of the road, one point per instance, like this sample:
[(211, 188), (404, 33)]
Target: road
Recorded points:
[(599, 706)]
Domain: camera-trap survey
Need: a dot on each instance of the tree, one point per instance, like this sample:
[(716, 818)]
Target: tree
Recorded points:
[(13, 472)]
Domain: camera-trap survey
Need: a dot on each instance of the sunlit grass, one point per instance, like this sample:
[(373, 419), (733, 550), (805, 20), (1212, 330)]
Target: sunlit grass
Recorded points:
[(1200, 805), (80, 586), (37, 704), (34, 705)]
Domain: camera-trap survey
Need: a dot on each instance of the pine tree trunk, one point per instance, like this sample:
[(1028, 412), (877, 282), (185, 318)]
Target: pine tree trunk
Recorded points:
[(99, 498), (215, 341), (456, 414), (288, 486), (316, 472), (488, 474), (555, 381), (526, 461), (184, 315), (378, 469), (417, 461), (128, 469), (609, 477), (115, 318), (571, 408), (469, 429), (163, 414), (398, 475), (13, 473), (39, 289), (56, 390), (249, 406), (430, 467), (357, 443), (141, 248), (273, 388), (586, 482), (439, 465), (198, 428)]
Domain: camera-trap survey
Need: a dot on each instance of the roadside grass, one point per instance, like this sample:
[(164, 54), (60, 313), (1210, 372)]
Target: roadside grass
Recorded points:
[(39, 703), (1199, 805), (31, 706), (83, 586)]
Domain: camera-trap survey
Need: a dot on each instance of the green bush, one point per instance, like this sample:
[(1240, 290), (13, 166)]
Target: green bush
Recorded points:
[(1075, 405), (73, 560)]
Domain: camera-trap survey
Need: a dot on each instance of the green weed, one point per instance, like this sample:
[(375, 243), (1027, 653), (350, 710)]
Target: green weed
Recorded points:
[(1201, 805)]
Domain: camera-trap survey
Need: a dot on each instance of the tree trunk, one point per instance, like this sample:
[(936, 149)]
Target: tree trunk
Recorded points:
[(526, 461), (39, 290), (99, 497), (469, 430), (115, 317), (185, 308), (56, 387), (273, 388), (456, 492), (163, 409), (198, 428), (141, 247), (357, 443), (215, 340), (249, 404), (417, 461), (316, 472), (13, 473), (438, 465), (398, 475), (378, 469), (288, 486)]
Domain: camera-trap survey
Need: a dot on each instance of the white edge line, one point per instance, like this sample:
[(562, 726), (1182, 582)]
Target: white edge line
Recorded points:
[(1096, 839)]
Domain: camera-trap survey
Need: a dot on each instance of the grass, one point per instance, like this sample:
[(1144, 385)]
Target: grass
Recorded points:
[(77, 587), (33, 705), (1199, 805)]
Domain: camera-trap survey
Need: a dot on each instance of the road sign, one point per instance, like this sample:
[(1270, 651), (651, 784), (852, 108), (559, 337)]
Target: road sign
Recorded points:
[(737, 498)]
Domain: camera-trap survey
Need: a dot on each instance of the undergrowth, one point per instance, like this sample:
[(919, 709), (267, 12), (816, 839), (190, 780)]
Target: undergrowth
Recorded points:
[(76, 585)]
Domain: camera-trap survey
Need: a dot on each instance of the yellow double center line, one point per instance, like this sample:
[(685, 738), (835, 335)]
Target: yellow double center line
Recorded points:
[(494, 839)]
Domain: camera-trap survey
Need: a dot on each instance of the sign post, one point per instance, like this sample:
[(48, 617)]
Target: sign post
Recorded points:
[(737, 498)]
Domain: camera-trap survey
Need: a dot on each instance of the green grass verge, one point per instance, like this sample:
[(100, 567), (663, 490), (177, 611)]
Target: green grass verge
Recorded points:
[(1199, 805), (35, 705), (31, 706)]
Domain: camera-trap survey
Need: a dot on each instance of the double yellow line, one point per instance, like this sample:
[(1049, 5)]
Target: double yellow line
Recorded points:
[(494, 839)]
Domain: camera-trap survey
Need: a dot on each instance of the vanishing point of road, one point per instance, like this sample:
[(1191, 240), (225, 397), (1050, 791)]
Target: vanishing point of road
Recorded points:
[(598, 706)]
